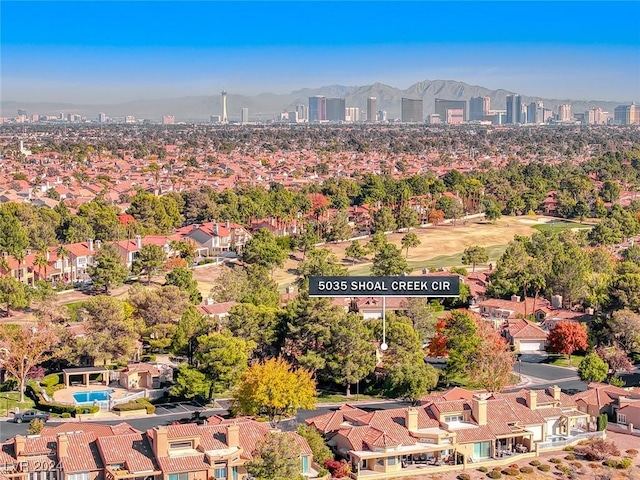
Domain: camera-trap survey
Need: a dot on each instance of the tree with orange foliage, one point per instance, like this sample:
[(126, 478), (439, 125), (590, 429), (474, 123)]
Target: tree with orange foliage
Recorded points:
[(24, 347), (492, 363), (438, 345), (436, 217), (567, 337)]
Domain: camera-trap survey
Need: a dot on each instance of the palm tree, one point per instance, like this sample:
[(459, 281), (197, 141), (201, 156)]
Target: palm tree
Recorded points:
[(410, 240), (41, 261), (62, 253)]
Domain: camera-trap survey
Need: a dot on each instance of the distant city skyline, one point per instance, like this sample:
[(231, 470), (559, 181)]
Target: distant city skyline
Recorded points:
[(109, 52)]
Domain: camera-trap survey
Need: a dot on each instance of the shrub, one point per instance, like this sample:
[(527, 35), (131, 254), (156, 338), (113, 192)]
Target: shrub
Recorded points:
[(149, 358), (34, 391), (598, 449), (632, 452), (66, 415), (569, 449), (570, 457), (544, 468), (497, 469), (526, 470), (594, 466), (137, 404), (564, 469), (534, 463), (50, 380), (483, 469), (322, 472), (610, 462), (511, 472), (317, 444), (576, 464), (555, 460), (624, 463), (87, 409), (464, 476), (494, 474), (339, 469), (514, 465), (11, 385), (602, 421)]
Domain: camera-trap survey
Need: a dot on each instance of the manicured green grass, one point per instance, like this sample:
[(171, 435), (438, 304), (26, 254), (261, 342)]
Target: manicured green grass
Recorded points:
[(9, 402), (563, 360), (560, 226), (329, 397)]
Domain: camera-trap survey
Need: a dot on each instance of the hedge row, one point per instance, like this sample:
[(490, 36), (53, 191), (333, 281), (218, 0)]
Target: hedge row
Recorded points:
[(136, 404), (35, 392)]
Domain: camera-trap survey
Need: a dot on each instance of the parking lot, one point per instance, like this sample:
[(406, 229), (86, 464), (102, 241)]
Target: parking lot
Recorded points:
[(176, 408)]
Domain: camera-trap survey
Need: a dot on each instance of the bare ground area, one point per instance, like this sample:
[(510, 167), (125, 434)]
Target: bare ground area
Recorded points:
[(443, 240)]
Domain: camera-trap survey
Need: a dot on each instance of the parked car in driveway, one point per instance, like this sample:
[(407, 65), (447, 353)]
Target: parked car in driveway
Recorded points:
[(29, 415)]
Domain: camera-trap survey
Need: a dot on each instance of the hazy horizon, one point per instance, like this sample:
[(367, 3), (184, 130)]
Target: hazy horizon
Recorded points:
[(114, 52)]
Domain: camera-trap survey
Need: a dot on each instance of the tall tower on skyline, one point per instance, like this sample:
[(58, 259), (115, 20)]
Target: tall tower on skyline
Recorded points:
[(223, 117)]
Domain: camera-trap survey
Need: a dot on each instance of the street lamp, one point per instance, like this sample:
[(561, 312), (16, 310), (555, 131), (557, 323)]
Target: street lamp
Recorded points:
[(384, 345), (519, 369)]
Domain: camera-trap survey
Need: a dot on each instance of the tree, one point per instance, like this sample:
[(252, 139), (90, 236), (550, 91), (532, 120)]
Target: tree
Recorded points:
[(306, 240), (410, 240), (616, 360), (13, 294), (190, 327), (389, 261), (110, 270), (190, 383), (264, 250), (319, 448), (339, 228), (275, 389), (35, 426), (461, 341), (24, 348), (592, 368), (384, 221), (258, 324), (378, 240), (148, 260), (567, 337), (186, 248), (276, 457), (351, 355), (183, 279), (624, 326), (474, 255), (435, 217), (407, 218), (411, 381), (320, 261), (423, 316), (491, 364), (355, 251), (222, 358)]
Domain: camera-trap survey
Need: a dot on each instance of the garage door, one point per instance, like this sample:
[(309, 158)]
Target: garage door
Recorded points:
[(531, 346)]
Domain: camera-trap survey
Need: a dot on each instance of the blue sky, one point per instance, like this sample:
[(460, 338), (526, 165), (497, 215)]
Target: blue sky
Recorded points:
[(111, 51)]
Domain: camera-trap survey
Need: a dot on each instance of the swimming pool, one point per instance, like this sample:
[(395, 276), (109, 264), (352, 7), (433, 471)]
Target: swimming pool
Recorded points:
[(92, 396)]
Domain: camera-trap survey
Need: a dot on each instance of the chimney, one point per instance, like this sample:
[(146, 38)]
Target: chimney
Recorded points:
[(532, 399), (98, 244), (20, 444), (479, 409), (63, 445), (412, 419), (160, 441), (556, 301), (91, 244), (227, 224), (554, 392), (48, 255), (515, 298), (233, 436), (138, 242)]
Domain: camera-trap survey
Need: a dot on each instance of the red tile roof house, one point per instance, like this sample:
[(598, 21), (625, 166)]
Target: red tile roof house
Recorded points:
[(445, 435), (604, 398), (72, 451), (130, 248), (217, 237)]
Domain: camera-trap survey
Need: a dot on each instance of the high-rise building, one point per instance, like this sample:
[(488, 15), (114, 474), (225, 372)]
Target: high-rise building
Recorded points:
[(514, 109), (382, 116), (596, 116), (244, 115), (443, 105), (303, 113), (411, 111), (318, 109), (455, 116), (168, 120), (336, 109), (564, 113), (535, 112), (223, 116), (479, 107), (352, 114), (371, 109), (129, 119), (102, 117), (627, 114)]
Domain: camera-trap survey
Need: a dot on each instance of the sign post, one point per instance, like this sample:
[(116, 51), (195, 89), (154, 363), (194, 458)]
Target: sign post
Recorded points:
[(403, 286)]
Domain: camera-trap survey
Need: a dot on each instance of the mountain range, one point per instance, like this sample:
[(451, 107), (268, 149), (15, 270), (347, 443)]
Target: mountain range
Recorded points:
[(266, 106)]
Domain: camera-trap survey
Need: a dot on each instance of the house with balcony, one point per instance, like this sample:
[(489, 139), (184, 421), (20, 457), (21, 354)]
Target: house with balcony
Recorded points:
[(449, 434), (602, 398), (218, 450)]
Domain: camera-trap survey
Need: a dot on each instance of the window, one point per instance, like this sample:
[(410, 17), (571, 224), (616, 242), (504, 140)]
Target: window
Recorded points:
[(234, 473), (453, 418), (79, 476), (178, 476), (622, 418), (220, 472), (305, 464), (391, 461), (181, 445), (82, 261), (44, 475), (481, 450), (380, 461)]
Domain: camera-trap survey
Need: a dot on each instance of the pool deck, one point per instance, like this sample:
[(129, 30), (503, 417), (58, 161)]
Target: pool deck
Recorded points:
[(66, 394)]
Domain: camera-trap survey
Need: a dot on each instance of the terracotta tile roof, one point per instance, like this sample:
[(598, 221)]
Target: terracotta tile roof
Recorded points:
[(83, 454), (186, 430), (524, 329), (40, 445), (133, 450), (142, 368), (98, 429), (217, 308), (186, 463), (474, 434)]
